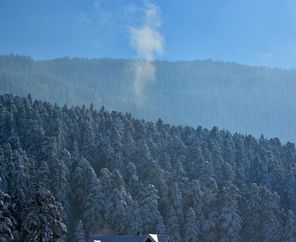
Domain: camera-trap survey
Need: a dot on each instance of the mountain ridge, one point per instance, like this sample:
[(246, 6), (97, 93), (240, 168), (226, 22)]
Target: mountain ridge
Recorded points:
[(236, 97)]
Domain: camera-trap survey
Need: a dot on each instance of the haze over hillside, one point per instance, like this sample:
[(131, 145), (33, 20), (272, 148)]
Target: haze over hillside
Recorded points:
[(136, 117), (240, 98)]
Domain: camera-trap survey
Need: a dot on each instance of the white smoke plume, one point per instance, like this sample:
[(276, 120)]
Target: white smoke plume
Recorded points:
[(148, 42)]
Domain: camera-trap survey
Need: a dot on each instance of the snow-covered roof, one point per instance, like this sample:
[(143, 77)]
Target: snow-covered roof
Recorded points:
[(128, 238)]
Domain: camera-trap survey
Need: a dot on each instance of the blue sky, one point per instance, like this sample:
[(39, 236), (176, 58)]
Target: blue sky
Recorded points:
[(254, 32)]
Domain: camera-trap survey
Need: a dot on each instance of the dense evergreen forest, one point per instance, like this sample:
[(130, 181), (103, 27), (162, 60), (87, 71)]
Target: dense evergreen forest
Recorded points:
[(71, 172), (249, 100)]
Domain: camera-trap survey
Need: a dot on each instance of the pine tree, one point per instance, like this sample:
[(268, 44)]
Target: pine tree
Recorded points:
[(262, 215), (92, 205), (191, 233), (210, 224), (229, 217), (79, 233), (148, 204), (121, 200), (174, 226), (42, 220), (272, 215), (251, 214), (134, 220), (6, 225)]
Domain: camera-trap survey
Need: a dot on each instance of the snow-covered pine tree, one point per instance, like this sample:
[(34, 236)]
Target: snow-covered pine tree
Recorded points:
[(191, 233), (6, 225), (42, 220), (79, 233), (229, 221)]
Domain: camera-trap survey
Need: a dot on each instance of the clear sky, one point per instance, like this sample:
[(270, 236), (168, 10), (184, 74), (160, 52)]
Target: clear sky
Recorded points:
[(254, 32)]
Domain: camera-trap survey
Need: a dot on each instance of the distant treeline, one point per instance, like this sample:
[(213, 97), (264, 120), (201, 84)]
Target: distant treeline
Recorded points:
[(244, 99)]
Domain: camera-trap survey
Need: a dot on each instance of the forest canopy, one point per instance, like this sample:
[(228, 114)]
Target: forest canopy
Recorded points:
[(75, 172)]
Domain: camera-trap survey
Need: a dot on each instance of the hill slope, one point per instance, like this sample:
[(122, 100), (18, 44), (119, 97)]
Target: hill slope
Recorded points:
[(236, 97), (114, 174)]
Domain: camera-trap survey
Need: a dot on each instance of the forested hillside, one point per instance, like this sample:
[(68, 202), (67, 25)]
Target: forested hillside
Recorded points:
[(249, 100), (73, 172)]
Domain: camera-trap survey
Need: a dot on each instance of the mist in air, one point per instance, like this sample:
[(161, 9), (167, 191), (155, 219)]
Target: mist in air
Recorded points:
[(147, 121)]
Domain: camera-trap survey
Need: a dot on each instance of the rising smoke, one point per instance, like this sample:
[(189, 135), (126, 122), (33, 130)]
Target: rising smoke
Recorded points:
[(148, 42)]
